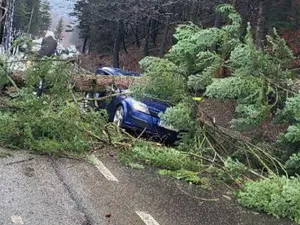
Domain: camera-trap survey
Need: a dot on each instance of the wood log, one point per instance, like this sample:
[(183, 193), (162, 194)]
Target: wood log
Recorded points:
[(85, 83)]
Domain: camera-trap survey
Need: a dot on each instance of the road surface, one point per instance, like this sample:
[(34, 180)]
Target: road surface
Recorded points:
[(39, 190)]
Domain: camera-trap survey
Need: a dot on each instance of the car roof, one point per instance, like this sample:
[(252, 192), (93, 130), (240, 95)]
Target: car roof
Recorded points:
[(119, 72)]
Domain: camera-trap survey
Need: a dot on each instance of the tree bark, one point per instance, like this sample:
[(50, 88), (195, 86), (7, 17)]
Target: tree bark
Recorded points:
[(124, 44), (288, 4), (217, 24), (146, 44), (218, 20), (85, 83), (154, 31), (234, 3), (2, 4), (194, 12), (84, 45), (135, 30), (260, 28), (165, 39), (124, 33), (117, 45)]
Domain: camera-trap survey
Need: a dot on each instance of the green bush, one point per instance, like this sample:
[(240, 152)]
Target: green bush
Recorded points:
[(232, 171), (289, 142), (277, 196), (292, 165), (47, 129), (161, 79), (255, 76), (161, 157), (54, 123)]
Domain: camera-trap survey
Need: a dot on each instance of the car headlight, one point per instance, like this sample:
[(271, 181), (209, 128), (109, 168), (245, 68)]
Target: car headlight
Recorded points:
[(139, 106)]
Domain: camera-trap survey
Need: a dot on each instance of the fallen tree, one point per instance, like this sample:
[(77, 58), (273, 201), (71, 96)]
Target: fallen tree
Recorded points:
[(86, 82)]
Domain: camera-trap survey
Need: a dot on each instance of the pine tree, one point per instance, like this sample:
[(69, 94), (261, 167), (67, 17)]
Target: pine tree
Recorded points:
[(34, 23), (27, 16), (22, 15), (45, 17), (59, 29)]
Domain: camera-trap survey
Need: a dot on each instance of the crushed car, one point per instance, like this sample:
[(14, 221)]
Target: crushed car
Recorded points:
[(141, 116)]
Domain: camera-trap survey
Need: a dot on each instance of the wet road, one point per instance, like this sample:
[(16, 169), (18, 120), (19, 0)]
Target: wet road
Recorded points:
[(37, 190)]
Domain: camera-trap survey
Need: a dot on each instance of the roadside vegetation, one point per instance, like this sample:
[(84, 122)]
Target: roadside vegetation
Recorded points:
[(54, 123), (222, 62)]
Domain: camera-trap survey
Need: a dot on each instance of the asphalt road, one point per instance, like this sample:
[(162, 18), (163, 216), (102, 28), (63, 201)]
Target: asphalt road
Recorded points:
[(37, 190)]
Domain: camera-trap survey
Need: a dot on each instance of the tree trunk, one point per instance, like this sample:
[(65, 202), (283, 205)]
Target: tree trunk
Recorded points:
[(165, 39), (288, 4), (194, 12), (2, 16), (260, 28), (146, 44), (124, 44), (218, 20), (124, 33), (234, 3), (217, 24), (154, 31), (117, 45), (135, 30), (288, 9), (83, 82), (84, 45)]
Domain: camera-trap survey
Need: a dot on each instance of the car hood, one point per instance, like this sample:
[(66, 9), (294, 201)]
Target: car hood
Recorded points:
[(156, 106)]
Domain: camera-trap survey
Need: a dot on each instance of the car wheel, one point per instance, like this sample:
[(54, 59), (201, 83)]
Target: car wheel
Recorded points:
[(119, 116)]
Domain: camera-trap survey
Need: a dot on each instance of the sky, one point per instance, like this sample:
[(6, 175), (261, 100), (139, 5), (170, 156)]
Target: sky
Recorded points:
[(62, 7)]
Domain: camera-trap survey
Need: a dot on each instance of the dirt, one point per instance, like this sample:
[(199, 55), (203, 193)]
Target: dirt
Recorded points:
[(128, 61), (220, 111)]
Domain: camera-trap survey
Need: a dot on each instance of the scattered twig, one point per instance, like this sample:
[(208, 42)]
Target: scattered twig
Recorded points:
[(217, 165), (108, 135), (21, 161), (196, 197), (142, 133), (104, 98)]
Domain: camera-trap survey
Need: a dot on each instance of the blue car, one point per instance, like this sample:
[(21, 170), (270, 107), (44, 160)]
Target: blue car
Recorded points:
[(139, 116)]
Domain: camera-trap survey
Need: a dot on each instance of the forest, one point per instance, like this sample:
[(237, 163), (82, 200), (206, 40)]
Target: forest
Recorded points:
[(150, 24), (32, 16)]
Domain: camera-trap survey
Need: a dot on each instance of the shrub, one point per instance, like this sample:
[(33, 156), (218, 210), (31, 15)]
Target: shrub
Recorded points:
[(293, 164), (161, 157), (54, 123), (277, 196), (161, 79), (289, 142)]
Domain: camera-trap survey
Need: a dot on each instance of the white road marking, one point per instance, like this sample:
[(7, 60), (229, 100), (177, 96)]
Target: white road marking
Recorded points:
[(147, 218), (100, 166), (17, 220)]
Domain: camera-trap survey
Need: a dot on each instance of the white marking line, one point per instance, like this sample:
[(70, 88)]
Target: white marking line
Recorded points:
[(100, 166), (17, 220), (147, 218)]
